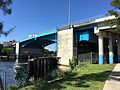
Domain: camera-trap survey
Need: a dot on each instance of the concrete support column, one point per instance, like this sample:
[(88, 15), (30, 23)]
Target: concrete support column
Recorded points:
[(100, 44), (17, 51), (110, 51), (67, 48)]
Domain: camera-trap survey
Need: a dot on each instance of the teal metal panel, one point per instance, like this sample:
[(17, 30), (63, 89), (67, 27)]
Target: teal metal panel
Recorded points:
[(40, 40), (48, 33), (87, 35), (84, 36), (40, 35)]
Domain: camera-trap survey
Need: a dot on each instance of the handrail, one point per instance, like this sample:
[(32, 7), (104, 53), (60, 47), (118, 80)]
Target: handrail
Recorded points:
[(91, 19), (87, 20)]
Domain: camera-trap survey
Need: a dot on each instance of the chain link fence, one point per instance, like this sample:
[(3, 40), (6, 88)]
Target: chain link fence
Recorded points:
[(91, 57)]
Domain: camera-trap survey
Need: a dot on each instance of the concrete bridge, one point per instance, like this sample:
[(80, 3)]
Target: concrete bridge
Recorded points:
[(90, 36)]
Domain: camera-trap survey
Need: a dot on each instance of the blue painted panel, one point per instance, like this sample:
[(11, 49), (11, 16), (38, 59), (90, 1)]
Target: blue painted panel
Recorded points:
[(87, 35), (101, 59), (84, 36), (110, 59)]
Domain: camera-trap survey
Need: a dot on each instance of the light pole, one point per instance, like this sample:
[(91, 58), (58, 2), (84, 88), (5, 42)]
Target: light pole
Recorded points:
[(69, 12)]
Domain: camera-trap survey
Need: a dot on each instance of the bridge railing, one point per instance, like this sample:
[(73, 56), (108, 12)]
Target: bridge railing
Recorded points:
[(87, 20)]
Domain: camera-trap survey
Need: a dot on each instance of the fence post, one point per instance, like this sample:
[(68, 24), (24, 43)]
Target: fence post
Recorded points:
[(4, 79), (45, 67), (91, 57)]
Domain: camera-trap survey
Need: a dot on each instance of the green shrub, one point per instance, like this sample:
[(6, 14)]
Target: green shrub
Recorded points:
[(82, 65), (73, 62), (39, 84), (13, 87), (68, 74), (21, 74), (58, 73), (31, 87)]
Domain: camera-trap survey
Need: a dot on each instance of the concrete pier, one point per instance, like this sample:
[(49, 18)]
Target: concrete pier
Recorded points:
[(110, 52), (100, 42), (66, 46)]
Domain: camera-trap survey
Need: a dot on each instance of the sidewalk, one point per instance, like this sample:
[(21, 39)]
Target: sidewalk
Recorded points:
[(113, 81)]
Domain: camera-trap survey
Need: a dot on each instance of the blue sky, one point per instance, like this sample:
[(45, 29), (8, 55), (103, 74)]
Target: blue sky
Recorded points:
[(38, 16)]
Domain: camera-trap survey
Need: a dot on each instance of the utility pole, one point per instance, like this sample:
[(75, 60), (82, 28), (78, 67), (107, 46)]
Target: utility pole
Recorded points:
[(69, 13)]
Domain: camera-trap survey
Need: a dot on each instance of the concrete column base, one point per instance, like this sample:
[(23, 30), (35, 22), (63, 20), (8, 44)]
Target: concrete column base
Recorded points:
[(101, 59)]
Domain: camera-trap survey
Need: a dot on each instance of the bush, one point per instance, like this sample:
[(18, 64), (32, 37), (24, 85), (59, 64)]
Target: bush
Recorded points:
[(31, 87), (39, 84), (73, 62), (81, 65), (21, 74), (58, 73), (13, 87)]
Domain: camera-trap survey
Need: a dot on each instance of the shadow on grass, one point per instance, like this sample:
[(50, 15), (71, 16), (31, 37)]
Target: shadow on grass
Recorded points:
[(79, 81)]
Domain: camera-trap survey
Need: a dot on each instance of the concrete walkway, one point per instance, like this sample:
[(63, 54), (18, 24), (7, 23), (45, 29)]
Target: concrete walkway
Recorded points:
[(113, 81)]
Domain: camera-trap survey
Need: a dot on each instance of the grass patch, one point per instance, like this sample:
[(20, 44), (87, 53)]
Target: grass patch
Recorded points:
[(89, 77)]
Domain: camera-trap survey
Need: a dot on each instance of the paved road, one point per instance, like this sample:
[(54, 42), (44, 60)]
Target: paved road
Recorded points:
[(113, 81)]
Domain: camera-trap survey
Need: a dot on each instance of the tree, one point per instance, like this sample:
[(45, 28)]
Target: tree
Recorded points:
[(7, 51), (5, 7), (116, 12), (1, 47)]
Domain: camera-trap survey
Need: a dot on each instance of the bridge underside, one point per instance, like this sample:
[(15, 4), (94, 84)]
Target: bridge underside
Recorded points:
[(35, 45), (38, 43)]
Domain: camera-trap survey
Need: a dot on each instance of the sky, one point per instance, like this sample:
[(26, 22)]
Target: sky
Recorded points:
[(38, 16)]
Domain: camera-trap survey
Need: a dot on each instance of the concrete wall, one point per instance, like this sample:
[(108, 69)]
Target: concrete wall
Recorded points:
[(66, 46)]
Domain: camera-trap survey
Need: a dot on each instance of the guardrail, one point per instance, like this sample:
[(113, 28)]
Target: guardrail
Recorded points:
[(87, 20)]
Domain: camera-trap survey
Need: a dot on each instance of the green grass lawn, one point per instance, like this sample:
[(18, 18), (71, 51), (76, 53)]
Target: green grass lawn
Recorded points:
[(91, 77)]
